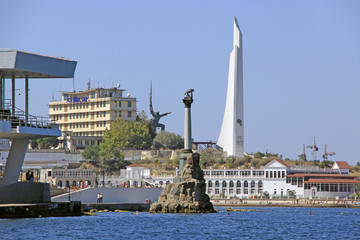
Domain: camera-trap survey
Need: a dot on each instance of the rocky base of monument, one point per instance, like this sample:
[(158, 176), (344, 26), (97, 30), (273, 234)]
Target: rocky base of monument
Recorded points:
[(187, 196)]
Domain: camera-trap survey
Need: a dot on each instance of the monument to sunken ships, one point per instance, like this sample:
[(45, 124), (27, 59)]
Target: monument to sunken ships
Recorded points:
[(187, 193)]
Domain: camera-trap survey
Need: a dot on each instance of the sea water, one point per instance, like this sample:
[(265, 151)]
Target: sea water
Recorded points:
[(262, 223)]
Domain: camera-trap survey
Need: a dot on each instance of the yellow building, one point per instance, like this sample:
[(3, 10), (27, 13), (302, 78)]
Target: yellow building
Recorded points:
[(83, 116)]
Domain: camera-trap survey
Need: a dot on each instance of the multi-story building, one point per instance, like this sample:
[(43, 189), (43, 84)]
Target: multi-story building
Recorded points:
[(83, 116), (278, 179)]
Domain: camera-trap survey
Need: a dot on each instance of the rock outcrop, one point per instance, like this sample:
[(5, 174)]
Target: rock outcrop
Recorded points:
[(188, 195)]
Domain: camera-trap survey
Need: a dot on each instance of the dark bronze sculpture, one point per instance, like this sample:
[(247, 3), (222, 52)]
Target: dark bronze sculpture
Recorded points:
[(156, 115)]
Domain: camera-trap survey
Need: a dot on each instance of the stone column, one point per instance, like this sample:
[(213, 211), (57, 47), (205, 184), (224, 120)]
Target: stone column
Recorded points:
[(188, 100)]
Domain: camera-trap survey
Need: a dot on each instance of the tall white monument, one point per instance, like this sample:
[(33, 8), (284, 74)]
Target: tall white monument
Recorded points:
[(231, 137)]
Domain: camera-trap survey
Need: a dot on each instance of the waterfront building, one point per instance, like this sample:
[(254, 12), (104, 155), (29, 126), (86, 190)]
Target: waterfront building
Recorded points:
[(277, 179), (63, 177), (231, 137), (83, 116)]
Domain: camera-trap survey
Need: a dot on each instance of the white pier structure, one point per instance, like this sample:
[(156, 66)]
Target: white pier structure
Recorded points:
[(18, 125), (231, 137)]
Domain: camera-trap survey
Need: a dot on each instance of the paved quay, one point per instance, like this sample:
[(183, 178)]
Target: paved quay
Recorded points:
[(301, 203)]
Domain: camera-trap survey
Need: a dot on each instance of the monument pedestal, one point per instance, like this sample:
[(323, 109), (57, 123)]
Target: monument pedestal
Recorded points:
[(188, 195)]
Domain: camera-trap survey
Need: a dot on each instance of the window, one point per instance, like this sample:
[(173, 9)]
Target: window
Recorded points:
[(129, 114), (119, 103), (129, 104)]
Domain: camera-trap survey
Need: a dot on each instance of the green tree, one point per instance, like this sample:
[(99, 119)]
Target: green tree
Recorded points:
[(47, 143), (259, 155), (326, 164), (168, 140), (302, 156), (128, 135), (230, 160), (111, 157), (92, 154)]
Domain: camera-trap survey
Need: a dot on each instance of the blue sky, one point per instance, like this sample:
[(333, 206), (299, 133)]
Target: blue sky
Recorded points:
[(301, 63)]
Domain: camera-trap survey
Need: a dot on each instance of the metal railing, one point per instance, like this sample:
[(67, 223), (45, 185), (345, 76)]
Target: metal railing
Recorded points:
[(19, 118)]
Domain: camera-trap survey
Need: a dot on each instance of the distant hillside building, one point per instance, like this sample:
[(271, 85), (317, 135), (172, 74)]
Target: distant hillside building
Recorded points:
[(83, 116)]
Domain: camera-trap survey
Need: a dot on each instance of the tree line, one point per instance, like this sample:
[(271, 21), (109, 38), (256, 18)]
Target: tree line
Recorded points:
[(137, 135)]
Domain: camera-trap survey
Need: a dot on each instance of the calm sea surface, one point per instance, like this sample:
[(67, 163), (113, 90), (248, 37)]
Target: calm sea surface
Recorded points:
[(269, 223)]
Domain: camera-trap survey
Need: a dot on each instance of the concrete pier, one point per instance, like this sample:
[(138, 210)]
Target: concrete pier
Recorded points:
[(59, 209)]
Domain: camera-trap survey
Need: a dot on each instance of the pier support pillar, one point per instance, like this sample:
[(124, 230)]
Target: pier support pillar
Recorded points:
[(15, 161)]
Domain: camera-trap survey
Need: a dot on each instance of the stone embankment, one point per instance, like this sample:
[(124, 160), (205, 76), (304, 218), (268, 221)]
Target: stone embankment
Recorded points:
[(64, 209), (301, 203)]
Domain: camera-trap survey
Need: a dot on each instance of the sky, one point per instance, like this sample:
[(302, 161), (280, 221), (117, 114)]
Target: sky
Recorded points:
[(301, 63)]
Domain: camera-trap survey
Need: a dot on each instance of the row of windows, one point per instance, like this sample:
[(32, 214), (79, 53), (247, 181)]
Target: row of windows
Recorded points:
[(86, 105), (238, 184), (295, 181), (330, 187), (86, 115), (78, 115), (275, 174), (57, 173), (243, 173), (86, 142), (86, 134)]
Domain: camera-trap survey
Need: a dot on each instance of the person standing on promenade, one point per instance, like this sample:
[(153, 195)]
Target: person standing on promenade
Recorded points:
[(28, 176), (98, 198), (31, 177), (101, 197)]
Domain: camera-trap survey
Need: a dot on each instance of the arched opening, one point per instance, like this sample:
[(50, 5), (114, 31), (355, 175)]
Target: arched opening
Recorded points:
[(135, 183), (246, 187), (231, 185), (238, 187), (59, 183), (74, 183), (224, 184), (67, 184), (217, 185), (260, 187), (209, 190), (167, 182), (252, 187)]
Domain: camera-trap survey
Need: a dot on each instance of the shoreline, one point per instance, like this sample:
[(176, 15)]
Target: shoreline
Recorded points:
[(289, 203)]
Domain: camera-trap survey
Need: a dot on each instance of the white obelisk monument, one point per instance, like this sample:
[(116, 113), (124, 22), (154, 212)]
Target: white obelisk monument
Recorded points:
[(231, 137)]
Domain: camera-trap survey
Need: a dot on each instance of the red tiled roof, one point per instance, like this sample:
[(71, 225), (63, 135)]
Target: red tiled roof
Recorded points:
[(342, 165), (134, 165), (318, 175), (314, 180)]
